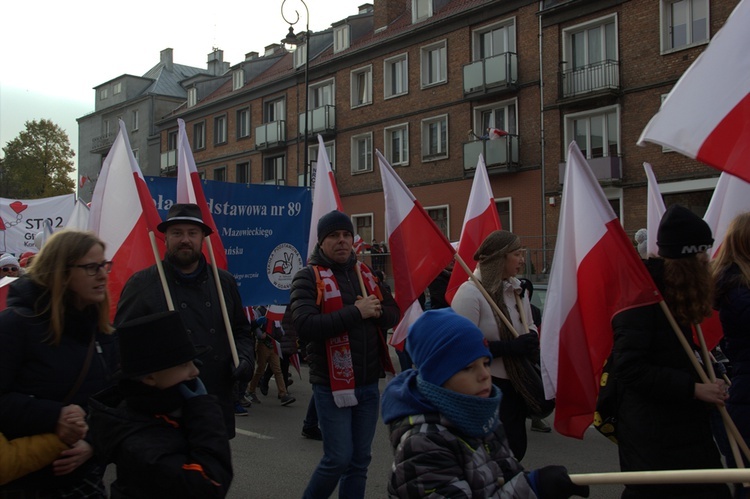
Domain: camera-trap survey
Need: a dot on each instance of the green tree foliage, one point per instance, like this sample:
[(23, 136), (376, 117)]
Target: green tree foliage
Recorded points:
[(38, 163)]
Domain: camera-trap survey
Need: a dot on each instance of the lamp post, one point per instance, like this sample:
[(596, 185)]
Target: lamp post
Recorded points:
[(297, 40)]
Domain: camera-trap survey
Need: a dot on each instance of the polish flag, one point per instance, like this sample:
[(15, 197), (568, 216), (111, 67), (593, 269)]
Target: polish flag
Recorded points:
[(190, 190), (705, 115), (496, 133), (654, 211), (325, 196), (481, 218), (595, 274), (274, 316), (358, 245), (4, 287), (122, 214), (410, 230)]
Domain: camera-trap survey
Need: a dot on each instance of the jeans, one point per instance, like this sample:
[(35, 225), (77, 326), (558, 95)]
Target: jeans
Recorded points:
[(311, 418), (347, 443)]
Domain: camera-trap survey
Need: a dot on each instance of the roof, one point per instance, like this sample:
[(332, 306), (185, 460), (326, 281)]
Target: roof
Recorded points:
[(167, 82)]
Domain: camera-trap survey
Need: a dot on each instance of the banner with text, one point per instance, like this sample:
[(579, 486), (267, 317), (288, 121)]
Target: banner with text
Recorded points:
[(264, 229), (22, 219)]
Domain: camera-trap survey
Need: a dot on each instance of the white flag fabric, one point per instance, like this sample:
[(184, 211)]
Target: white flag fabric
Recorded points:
[(654, 211), (731, 197), (325, 196)]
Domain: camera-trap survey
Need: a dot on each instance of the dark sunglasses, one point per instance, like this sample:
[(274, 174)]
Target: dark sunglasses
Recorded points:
[(9, 269), (93, 269)]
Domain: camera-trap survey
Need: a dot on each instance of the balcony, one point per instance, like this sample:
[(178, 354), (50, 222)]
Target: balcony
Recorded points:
[(168, 161), (322, 120), (102, 143), (606, 169), (492, 75), (500, 155), (592, 80), (270, 135)]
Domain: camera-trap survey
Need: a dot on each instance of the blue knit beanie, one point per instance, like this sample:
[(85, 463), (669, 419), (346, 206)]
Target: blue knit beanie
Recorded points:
[(441, 343)]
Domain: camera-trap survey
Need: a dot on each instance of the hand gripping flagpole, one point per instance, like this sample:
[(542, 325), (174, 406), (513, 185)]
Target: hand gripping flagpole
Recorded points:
[(223, 304), (160, 268)]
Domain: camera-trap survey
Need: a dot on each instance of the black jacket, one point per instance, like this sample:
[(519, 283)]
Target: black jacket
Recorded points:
[(197, 301), (315, 327)]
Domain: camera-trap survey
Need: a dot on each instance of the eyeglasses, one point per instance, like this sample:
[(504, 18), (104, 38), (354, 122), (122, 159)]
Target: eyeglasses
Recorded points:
[(93, 269), (9, 269)]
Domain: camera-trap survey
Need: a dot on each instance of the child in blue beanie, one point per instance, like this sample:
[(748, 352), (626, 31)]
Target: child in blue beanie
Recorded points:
[(445, 426)]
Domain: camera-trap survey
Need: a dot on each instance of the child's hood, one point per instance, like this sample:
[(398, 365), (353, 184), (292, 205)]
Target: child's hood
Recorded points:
[(401, 398)]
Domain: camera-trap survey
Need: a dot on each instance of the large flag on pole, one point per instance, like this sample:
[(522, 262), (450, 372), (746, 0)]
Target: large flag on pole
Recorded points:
[(595, 274), (731, 197), (410, 231), (122, 214), (654, 211), (325, 196), (190, 190), (480, 220), (706, 114)]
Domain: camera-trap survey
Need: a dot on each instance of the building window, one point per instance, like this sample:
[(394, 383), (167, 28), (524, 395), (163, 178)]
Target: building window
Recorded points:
[(363, 226), (199, 136), (136, 118), (435, 138), (322, 94), (361, 86), (396, 76), (172, 140), (341, 38), (103, 93), (242, 173), (501, 115), (300, 55), (220, 174), (330, 148), (117, 88), (397, 144), (362, 153), (106, 127), (238, 79), (504, 213), (596, 132), (243, 123), (192, 97), (274, 111), (591, 58), (434, 64), (439, 215), (220, 130), (421, 10), (494, 40), (273, 170), (683, 23)]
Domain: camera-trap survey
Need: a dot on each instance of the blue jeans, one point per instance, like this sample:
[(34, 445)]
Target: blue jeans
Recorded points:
[(347, 443)]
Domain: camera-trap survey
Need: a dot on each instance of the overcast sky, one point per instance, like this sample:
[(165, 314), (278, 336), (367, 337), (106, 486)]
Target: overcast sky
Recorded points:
[(53, 53)]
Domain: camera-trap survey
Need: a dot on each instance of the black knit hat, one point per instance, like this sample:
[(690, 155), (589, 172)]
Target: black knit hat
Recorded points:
[(154, 342), (185, 213), (682, 233), (333, 221)]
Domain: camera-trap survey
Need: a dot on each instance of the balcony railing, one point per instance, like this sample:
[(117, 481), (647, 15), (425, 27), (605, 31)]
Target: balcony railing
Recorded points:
[(322, 120), (607, 168), (501, 153), (604, 75), (493, 73), (102, 142), (271, 134)]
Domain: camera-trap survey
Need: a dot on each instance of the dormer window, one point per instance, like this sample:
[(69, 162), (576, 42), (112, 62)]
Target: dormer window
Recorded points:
[(238, 79), (300, 55), (421, 10), (341, 38), (192, 97)]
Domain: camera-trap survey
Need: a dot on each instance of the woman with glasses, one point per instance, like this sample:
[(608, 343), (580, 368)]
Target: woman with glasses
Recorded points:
[(56, 349), (9, 266)]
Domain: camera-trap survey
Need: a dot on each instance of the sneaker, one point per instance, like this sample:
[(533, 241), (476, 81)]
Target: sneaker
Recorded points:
[(313, 433), (252, 398), (263, 388), (287, 399), (538, 424), (245, 402), (239, 410)]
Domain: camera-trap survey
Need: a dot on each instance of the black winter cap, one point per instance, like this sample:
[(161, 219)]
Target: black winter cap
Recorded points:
[(333, 221), (682, 233)]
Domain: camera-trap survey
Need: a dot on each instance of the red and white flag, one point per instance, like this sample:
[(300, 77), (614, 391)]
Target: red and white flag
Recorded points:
[(359, 245), (654, 211), (706, 114), (274, 316), (122, 214), (410, 230), (480, 220), (190, 190), (4, 288), (496, 133), (325, 196), (731, 197), (595, 274)]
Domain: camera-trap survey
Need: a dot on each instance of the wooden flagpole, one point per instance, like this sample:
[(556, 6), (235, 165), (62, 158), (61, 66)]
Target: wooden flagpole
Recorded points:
[(160, 268), (223, 304), (721, 475)]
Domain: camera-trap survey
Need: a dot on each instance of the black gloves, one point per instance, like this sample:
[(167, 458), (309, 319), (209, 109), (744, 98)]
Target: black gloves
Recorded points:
[(524, 345), (192, 388), (243, 371), (553, 482)]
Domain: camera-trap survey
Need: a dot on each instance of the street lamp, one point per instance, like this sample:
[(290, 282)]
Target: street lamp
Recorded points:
[(298, 40)]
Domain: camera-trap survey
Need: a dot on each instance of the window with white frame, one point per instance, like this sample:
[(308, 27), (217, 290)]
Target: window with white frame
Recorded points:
[(493, 40), (199, 136), (591, 56), (501, 115), (220, 174), (192, 97), (421, 10), (220, 130), (106, 127), (361, 86), (238, 79), (103, 93), (596, 132), (341, 38), (135, 115), (362, 153), (435, 138), (363, 226), (330, 148), (396, 76), (242, 173), (300, 55), (172, 140), (439, 215), (117, 88), (243, 123), (274, 110), (322, 94), (683, 23), (434, 64), (397, 144), (273, 170), (504, 213)]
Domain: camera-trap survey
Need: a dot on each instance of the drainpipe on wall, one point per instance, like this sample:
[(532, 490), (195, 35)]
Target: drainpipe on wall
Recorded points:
[(541, 141)]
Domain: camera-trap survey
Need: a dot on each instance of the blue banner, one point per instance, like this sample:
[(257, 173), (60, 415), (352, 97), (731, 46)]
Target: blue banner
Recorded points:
[(264, 229)]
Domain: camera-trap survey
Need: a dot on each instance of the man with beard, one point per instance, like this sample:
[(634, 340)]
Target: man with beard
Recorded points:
[(193, 289)]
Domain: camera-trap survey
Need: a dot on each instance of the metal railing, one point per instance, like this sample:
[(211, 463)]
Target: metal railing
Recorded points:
[(604, 75)]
